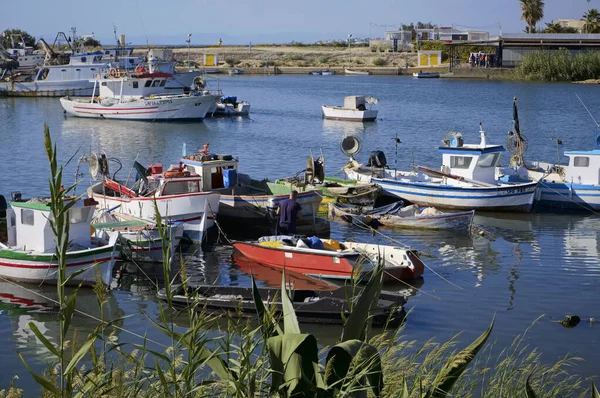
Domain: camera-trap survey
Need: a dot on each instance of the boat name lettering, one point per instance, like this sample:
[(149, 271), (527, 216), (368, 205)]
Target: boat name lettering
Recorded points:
[(289, 255), (515, 190), (158, 102)]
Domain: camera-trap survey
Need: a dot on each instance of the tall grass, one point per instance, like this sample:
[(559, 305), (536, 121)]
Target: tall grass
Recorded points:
[(561, 65), (232, 357)]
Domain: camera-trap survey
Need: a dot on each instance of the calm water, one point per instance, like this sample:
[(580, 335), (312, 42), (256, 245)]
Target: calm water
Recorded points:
[(533, 264)]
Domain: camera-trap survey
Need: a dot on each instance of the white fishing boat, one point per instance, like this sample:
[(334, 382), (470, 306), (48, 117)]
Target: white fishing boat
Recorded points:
[(140, 239), (356, 72), (327, 72), (29, 255), (354, 109), (55, 80), (229, 106), (235, 71), (426, 75), (177, 194), (138, 95), (27, 56), (467, 179)]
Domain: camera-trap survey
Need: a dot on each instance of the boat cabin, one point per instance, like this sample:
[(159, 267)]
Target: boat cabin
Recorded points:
[(28, 224), (355, 102), (120, 85), (474, 161), (218, 172), (82, 66), (584, 167)]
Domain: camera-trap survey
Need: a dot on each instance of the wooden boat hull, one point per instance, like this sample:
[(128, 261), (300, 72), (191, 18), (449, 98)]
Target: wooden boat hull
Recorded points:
[(359, 260), (255, 206), (450, 221), (310, 306), (32, 267)]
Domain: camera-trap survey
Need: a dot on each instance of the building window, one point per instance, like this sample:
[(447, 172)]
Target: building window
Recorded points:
[(460, 162), (488, 160), (148, 83), (26, 217), (135, 84), (581, 161)]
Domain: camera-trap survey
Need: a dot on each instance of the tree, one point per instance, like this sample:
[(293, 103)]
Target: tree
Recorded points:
[(553, 27), (533, 12), (5, 38), (592, 21), (91, 42)]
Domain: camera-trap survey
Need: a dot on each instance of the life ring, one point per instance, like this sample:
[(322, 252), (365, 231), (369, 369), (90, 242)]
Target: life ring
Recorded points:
[(114, 73), (175, 174)]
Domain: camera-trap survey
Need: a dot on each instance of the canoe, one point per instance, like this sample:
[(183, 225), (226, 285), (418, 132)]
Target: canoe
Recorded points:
[(411, 217), (335, 260), (311, 306)]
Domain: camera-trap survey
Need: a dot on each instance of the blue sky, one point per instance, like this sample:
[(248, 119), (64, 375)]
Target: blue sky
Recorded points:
[(264, 21)]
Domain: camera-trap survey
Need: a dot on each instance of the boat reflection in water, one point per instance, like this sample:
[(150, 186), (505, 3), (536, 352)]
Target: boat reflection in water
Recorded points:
[(37, 304), (342, 128)]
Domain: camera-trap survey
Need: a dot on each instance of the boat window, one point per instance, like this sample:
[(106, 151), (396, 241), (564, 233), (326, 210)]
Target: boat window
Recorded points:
[(63, 70), (93, 69), (155, 83), (79, 215), (180, 187), (107, 52), (135, 84), (162, 83), (131, 61), (83, 59), (488, 160), (148, 83), (78, 70), (460, 162), (97, 58), (581, 161), (26, 217)]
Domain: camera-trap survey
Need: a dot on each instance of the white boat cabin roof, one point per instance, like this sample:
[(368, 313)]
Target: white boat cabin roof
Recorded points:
[(29, 226), (217, 171), (473, 161), (584, 167), (116, 83)]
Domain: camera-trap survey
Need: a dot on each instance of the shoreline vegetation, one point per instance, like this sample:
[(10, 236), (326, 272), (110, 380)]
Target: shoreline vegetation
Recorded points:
[(205, 355)]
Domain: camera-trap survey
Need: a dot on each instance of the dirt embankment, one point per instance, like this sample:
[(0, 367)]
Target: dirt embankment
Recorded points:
[(288, 56)]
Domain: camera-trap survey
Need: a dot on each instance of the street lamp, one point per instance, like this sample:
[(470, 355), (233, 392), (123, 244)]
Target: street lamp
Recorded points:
[(189, 41)]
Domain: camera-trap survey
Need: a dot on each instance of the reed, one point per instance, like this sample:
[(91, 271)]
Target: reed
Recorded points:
[(559, 65)]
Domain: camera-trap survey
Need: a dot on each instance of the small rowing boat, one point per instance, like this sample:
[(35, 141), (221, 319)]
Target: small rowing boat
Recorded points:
[(311, 306), (394, 215), (330, 259), (356, 72), (426, 75)]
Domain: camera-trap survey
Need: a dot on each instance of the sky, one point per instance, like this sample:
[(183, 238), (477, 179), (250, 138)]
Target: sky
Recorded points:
[(265, 21)]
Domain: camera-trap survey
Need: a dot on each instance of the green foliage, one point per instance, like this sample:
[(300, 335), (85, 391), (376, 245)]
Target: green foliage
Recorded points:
[(323, 60), (91, 42), (552, 27), (380, 61), (532, 13), (232, 61), (592, 21), (293, 57), (5, 38), (559, 65)]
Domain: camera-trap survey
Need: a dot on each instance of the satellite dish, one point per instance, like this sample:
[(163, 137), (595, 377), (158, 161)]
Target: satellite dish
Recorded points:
[(453, 139), (94, 166), (371, 100), (350, 145)]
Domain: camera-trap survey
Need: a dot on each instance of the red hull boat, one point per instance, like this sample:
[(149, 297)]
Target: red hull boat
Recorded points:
[(351, 258)]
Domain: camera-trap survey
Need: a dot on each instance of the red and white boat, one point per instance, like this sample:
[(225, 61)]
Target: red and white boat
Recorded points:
[(338, 260), (139, 95), (178, 195), (29, 254)]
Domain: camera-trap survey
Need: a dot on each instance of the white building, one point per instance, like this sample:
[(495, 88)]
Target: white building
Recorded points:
[(449, 34)]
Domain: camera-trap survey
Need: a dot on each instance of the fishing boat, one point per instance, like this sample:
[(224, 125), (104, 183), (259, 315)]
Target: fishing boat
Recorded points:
[(310, 306), (327, 72), (399, 216), (246, 203), (29, 255), (177, 194), (356, 72), (140, 239), (426, 75), (55, 80), (354, 109), (235, 71), (330, 259), (467, 179), (138, 95)]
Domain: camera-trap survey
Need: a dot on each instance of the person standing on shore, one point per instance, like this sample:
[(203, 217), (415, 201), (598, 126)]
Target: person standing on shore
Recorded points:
[(289, 210)]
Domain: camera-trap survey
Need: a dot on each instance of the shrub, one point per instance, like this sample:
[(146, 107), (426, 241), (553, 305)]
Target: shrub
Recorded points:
[(380, 62), (323, 60), (374, 49)]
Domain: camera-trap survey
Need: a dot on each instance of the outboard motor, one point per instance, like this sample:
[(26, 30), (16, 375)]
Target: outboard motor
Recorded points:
[(377, 159)]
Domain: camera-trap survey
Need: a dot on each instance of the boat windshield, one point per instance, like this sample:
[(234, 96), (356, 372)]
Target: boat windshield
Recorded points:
[(488, 160), (180, 187)]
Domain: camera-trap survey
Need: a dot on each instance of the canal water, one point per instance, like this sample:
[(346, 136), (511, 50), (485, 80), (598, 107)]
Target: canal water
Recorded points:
[(526, 266)]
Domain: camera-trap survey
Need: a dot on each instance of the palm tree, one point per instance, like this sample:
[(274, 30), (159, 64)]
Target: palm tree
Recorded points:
[(552, 27), (533, 12), (592, 21)]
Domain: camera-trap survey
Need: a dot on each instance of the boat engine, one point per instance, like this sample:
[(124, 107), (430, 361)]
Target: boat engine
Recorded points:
[(377, 159)]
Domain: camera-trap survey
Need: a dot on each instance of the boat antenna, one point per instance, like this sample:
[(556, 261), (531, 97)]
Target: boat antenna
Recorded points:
[(142, 20), (588, 111), (115, 33), (396, 142)]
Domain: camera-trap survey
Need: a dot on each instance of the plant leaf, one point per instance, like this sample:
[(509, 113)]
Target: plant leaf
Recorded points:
[(290, 321), (44, 340), (449, 374), (268, 325), (80, 353), (340, 357), (68, 312), (41, 381), (595, 393), (356, 324), (405, 393), (529, 391)]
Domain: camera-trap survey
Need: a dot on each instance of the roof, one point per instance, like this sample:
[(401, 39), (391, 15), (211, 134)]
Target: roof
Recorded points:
[(551, 36), (592, 152), (31, 205), (472, 149)]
